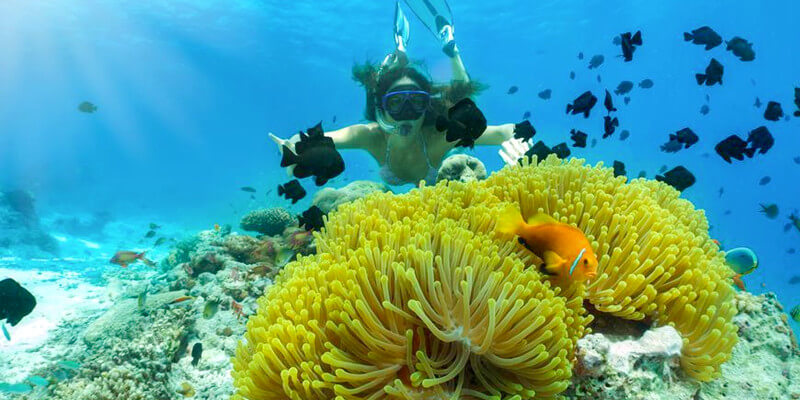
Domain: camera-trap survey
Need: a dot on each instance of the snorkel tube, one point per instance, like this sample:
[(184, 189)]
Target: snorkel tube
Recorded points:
[(402, 128)]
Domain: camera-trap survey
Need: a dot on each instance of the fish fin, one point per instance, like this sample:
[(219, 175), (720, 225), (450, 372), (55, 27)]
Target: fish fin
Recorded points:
[(700, 78), (510, 220), (540, 219), (289, 158), (553, 262), (797, 114), (586, 113), (637, 38), (687, 36)]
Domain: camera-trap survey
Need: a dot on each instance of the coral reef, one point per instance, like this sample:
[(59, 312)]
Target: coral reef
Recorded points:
[(765, 363), (329, 199), (267, 221), (138, 348), (20, 230), (462, 168)]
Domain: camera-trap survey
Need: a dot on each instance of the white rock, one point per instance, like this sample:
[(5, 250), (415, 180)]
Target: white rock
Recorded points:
[(597, 353)]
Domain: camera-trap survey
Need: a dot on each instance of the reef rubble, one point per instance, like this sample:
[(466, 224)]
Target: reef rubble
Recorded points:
[(644, 365)]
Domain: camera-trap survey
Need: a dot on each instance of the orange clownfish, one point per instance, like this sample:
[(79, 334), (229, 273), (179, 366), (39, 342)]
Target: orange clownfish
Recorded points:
[(564, 248)]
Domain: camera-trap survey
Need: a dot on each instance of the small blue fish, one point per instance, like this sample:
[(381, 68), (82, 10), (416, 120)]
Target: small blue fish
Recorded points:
[(5, 332), (17, 388), (69, 365), (741, 260), (38, 381)]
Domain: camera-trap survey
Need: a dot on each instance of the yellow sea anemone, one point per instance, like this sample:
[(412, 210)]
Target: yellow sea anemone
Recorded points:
[(409, 297), (657, 261)]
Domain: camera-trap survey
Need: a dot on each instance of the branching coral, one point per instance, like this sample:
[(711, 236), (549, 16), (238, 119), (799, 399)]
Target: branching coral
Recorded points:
[(409, 297), (415, 296), (656, 259)]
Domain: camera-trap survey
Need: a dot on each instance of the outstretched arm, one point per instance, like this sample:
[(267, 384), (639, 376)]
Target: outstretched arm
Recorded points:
[(495, 135), (459, 70), (350, 137)]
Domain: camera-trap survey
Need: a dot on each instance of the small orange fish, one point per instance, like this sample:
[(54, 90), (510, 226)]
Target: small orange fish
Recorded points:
[(237, 309), (565, 250), (181, 299), (124, 258), (737, 280), (216, 227)]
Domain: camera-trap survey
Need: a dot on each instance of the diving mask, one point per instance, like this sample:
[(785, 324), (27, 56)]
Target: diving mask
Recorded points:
[(406, 105)]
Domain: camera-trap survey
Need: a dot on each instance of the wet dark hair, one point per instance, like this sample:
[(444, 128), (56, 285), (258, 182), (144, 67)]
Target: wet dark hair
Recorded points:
[(377, 82)]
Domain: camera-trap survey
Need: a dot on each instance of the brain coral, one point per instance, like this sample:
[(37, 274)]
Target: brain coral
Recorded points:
[(415, 296), (411, 297), (267, 221), (657, 261)]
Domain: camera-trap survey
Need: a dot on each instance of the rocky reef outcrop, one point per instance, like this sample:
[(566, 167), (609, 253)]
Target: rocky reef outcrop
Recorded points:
[(628, 361), (21, 233), (462, 168), (328, 199)]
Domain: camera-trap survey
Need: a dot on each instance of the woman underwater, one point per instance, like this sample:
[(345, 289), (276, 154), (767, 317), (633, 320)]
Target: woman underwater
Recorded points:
[(403, 106)]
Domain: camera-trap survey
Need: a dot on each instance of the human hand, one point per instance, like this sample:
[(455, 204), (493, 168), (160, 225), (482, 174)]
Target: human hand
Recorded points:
[(512, 150)]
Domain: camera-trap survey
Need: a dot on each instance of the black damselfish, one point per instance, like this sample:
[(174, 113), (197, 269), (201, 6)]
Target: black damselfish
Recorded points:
[(713, 74), (608, 102), (312, 219), (624, 87), (679, 177), (685, 136), (583, 104), (292, 190), (759, 141), (609, 126), (732, 147), (619, 168), (524, 130), (629, 43), (578, 138), (15, 301), (464, 123), (703, 36), (774, 111), (797, 101), (541, 151), (741, 48), (197, 352), (314, 155)]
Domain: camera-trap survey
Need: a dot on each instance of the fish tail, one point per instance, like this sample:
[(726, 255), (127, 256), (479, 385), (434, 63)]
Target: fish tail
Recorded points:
[(700, 78), (637, 38), (569, 108), (510, 220), (145, 260), (687, 36)]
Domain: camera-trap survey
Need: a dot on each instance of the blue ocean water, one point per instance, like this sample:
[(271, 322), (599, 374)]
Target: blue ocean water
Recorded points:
[(188, 90)]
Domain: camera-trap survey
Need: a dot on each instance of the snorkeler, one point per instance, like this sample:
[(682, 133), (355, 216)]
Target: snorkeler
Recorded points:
[(403, 106)]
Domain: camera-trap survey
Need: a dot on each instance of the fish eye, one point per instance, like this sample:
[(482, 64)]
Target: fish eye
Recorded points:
[(585, 261)]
